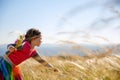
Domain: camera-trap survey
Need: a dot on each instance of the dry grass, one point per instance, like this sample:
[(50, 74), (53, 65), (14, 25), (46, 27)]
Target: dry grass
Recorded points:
[(96, 65), (74, 68)]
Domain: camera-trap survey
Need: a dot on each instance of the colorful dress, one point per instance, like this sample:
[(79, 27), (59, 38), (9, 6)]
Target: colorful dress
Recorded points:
[(9, 69)]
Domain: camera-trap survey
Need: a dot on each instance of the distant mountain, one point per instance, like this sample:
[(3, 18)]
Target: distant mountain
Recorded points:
[(49, 49), (55, 49)]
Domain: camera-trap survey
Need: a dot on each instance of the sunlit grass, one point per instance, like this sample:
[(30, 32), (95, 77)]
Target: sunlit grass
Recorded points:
[(74, 68), (96, 65)]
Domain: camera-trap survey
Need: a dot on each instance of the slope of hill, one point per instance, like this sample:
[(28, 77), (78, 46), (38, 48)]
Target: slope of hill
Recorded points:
[(74, 68)]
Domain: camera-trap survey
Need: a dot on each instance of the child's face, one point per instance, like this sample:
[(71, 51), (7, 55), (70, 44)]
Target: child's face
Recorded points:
[(37, 41)]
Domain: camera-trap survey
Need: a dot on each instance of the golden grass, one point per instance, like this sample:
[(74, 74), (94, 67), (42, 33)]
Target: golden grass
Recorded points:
[(74, 67), (96, 65)]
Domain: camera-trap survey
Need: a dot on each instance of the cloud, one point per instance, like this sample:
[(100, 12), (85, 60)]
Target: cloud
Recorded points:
[(99, 24), (102, 24), (116, 2), (117, 28), (104, 21), (73, 34), (75, 11), (15, 32)]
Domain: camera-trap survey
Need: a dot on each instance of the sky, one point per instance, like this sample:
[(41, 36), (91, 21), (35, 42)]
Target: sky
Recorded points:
[(78, 21)]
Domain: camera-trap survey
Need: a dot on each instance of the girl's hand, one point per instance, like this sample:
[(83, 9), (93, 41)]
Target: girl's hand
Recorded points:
[(12, 49), (53, 68), (56, 70)]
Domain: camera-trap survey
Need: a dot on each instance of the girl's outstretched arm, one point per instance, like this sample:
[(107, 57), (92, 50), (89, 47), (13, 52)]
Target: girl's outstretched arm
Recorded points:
[(42, 61)]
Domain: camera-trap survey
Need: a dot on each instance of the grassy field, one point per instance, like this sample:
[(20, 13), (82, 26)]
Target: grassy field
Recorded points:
[(73, 67)]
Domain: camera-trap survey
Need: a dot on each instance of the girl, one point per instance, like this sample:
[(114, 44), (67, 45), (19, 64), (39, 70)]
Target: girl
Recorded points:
[(9, 69)]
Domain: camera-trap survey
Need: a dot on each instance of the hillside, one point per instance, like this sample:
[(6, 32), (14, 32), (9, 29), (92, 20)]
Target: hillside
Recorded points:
[(74, 68)]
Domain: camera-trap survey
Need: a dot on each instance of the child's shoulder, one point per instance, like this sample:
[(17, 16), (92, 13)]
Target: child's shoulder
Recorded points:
[(26, 44)]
